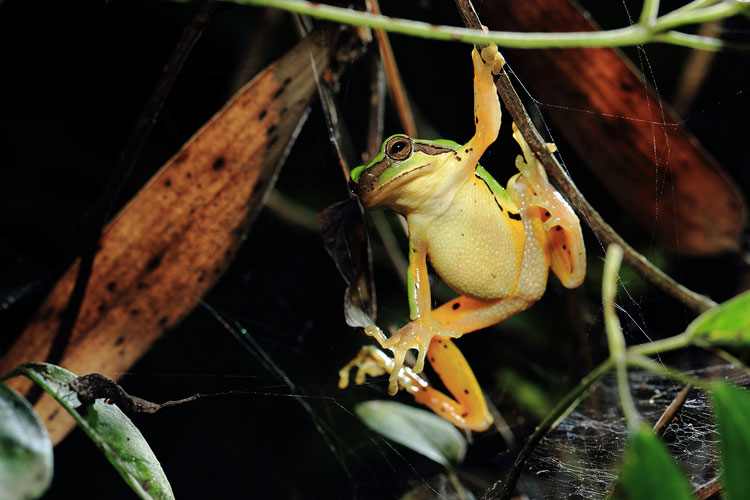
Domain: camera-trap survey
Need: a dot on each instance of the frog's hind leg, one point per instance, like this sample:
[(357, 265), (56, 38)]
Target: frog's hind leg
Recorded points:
[(567, 253), (469, 409)]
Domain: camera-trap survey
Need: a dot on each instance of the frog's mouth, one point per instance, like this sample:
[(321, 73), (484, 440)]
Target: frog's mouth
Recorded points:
[(377, 195)]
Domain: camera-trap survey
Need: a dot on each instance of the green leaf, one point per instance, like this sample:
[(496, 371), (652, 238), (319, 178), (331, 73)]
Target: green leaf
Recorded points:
[(111, 430), (25, 449), (732, 413), (420, 430), (650, 472), (727, 324)]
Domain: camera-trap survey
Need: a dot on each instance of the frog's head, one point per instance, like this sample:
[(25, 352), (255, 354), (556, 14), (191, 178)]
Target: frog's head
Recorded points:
[(401, 172)]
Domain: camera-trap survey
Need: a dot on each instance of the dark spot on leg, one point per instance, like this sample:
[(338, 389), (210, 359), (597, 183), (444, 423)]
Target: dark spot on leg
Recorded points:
[(465, 414), (141, 286), (513, 216), (163, 321), (476, 119), (189, 175), (102, 307), (167, 183), (119, 340), (456, 305), (135, 312), (111, 286), (219, 163), (273, 140), (283, 110), (564, 247), (458, 158), (439, 341), (445, 346), (262, 114), (558, 228), (53, 414), (467, 151), (270, 130), (154, 262), (466, 391), (546, 214), (432, 360)]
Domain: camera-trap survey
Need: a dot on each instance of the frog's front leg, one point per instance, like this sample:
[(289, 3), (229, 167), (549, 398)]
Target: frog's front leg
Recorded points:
[(487, 112), (419, 332), (563, 229)]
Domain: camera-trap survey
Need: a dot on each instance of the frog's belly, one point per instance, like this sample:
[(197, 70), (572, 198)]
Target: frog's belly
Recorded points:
[(475, 247)]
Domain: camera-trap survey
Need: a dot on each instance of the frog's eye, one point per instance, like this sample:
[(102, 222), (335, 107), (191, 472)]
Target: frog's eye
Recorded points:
[(398, 148)]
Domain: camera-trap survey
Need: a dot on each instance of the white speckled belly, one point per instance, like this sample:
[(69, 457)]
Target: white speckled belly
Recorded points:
[(474, 246)]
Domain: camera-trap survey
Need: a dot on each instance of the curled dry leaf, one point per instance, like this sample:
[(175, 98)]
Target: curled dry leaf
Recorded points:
[(345, 239), (170, 244)]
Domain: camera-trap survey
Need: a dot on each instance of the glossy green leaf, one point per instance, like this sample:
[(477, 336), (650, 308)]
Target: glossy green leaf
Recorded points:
[(111, 430), (727, 324), (419, 430), (732, 413), (649, 471), (25, 449)]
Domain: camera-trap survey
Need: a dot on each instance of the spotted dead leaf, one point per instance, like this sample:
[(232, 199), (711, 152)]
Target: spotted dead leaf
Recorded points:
[(175, 238)]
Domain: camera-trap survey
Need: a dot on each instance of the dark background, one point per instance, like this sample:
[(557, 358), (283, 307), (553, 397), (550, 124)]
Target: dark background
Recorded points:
[(75, 76)]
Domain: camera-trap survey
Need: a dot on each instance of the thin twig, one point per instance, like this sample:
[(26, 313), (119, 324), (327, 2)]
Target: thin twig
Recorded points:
[(708, 490), (92, 226), (636, 34), (394, 76), (674, 407)]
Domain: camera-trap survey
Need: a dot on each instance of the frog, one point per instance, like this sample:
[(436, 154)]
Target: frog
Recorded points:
[(491, 245)]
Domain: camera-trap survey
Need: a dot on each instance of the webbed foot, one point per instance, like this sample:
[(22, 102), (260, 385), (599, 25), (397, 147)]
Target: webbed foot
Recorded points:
[(417, 335)]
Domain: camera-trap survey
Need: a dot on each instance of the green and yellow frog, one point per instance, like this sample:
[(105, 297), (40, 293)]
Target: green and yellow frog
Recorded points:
[(491, 245)]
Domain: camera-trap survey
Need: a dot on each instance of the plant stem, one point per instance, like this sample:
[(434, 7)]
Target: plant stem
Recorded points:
[(711, 13), (615, 339), (650, 12), (658, 368), (631, 35), (698, 42)]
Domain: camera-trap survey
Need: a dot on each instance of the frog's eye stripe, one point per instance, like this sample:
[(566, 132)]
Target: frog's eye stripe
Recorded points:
[(399, 148), (431, 149)]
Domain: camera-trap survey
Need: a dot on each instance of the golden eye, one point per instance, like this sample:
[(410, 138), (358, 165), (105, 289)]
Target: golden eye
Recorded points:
[(398, 148)]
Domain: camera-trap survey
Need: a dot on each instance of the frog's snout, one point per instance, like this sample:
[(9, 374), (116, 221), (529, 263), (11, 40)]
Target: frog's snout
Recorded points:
[(353, 187)]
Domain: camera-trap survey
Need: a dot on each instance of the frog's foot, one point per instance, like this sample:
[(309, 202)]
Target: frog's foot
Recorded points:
[(417, 335), (493, 57), (371, 361)]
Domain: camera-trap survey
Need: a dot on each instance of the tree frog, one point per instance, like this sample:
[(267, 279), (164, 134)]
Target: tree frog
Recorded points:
[(492, 245)]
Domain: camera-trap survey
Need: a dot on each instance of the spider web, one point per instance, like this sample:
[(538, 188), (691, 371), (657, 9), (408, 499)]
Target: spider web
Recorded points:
[(580, 458)]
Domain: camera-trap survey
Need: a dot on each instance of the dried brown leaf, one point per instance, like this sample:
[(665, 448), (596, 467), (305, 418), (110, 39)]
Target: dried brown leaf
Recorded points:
[(171, 243)]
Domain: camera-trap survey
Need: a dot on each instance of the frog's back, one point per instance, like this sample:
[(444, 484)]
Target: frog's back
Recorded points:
[(476, 246)]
